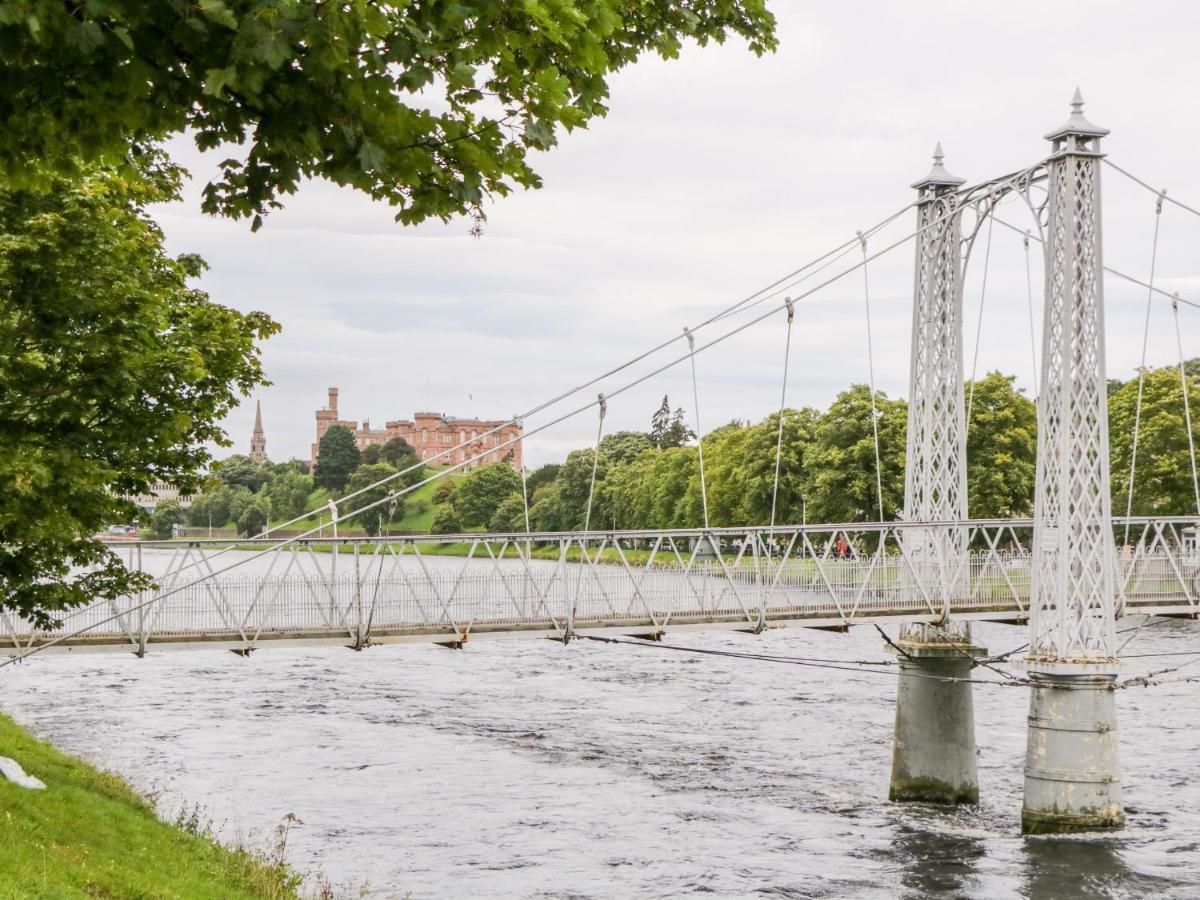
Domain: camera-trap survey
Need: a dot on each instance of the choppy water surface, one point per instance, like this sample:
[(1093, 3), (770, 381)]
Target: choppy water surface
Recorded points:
[(529, 769)]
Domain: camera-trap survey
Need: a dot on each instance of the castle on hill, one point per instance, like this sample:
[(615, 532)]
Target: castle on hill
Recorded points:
[(436, 437)]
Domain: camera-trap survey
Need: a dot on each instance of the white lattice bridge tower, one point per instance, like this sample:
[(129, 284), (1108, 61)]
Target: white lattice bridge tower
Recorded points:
[(934, 753), (1071, 772)]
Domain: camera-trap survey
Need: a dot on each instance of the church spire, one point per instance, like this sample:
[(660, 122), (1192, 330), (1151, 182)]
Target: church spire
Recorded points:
[(258, 440)]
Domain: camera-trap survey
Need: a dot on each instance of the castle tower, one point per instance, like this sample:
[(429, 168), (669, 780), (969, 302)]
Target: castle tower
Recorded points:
[(258, 440)]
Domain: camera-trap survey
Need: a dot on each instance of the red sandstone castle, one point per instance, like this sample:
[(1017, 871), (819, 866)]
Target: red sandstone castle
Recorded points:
[(431, 433)]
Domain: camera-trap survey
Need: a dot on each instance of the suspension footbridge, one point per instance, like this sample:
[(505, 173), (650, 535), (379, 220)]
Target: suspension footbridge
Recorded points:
[(1069, 571), (357, 592)]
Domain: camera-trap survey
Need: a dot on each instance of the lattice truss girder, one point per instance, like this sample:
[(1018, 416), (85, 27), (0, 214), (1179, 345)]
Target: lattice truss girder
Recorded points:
[(1073, 586), (935, 488)]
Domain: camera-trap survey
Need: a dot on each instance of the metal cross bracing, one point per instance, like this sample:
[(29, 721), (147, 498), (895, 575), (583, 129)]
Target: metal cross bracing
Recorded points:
[(1074, 570), (357, 592), (935, 476)]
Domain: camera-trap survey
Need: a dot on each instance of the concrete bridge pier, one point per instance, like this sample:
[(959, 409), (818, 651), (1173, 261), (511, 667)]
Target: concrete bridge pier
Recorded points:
[(933, 757), (1072, 773)]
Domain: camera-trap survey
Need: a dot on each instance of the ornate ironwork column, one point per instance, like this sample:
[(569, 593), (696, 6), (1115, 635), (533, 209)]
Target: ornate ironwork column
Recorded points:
[(933, 756), (935, 477), (1071, 771)]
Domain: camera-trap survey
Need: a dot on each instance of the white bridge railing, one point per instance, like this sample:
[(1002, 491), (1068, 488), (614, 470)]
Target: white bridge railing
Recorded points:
[(450, 589)]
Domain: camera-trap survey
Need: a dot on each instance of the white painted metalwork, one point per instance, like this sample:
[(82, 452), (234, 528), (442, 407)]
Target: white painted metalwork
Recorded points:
[(1074, 591), (935, 479), (631, 582)]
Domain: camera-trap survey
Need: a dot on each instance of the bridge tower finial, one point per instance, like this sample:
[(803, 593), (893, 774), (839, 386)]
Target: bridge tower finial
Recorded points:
[(1071, 773)]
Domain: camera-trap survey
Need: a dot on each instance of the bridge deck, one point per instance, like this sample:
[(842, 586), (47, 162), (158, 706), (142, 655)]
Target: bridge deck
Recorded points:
[(358, 593)]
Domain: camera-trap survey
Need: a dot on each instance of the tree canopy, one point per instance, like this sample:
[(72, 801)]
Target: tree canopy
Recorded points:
[(1001, 449), (114, 374), (842, 483), (376, 519), (337, 458), (669, 429), (1163, 486), (429, 106), (240, 469), (481, 493)]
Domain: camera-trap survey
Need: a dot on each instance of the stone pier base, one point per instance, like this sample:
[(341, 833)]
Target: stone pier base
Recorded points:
[(1072, 772), (933, 760)]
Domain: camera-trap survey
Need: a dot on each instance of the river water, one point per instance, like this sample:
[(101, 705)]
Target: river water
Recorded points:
[(530, 769)]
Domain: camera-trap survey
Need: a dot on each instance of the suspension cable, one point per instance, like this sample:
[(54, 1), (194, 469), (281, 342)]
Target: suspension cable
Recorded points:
[(1187, 408), (1029, 297), (871, 376), (1117, 273), (1151, 189), (787, 349), (987, 258), (691, 339), (852, 666), (587, 518), (1137, 409), (524, 481), (815, 267)]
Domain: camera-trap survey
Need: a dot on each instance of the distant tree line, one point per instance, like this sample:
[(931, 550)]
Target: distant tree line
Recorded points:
[(827, 465), (651, 479), (249, 494)]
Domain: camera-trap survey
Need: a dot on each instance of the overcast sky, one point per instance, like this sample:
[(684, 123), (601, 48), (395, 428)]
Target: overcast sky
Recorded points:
[(712, 176)]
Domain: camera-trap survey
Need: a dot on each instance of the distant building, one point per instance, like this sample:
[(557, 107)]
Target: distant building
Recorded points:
[(430, 434), (160, 491), (258, 440)]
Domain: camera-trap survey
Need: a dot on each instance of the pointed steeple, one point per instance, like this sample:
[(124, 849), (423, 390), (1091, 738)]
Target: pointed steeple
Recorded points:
[(258, 440)]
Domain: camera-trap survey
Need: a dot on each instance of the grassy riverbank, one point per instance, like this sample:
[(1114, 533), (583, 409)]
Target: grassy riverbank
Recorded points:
[(89, 834)]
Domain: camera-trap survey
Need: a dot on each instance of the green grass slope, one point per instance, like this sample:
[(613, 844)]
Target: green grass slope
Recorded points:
[(90, 835)]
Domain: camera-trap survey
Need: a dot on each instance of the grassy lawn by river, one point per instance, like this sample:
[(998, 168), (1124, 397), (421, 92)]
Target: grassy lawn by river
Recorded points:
[(89, 834)]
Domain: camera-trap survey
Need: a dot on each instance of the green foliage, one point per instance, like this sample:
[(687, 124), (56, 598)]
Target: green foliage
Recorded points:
[(167, 515), (288, 492), (378, 517), (546, 510), (740, 470), (398, 453), (243, 470), (574, 483), (1001, 449), (337, 458), (114, 373), (509, 514), (446, 521), (675, 489), (544, 474), (841, 483), (210, 508), (669, 429), (445, 490), (239, 499), (372, 455), (482, 492), (431, 107), (627, 489), (623, 447), (1163, 484), (253, 519)]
